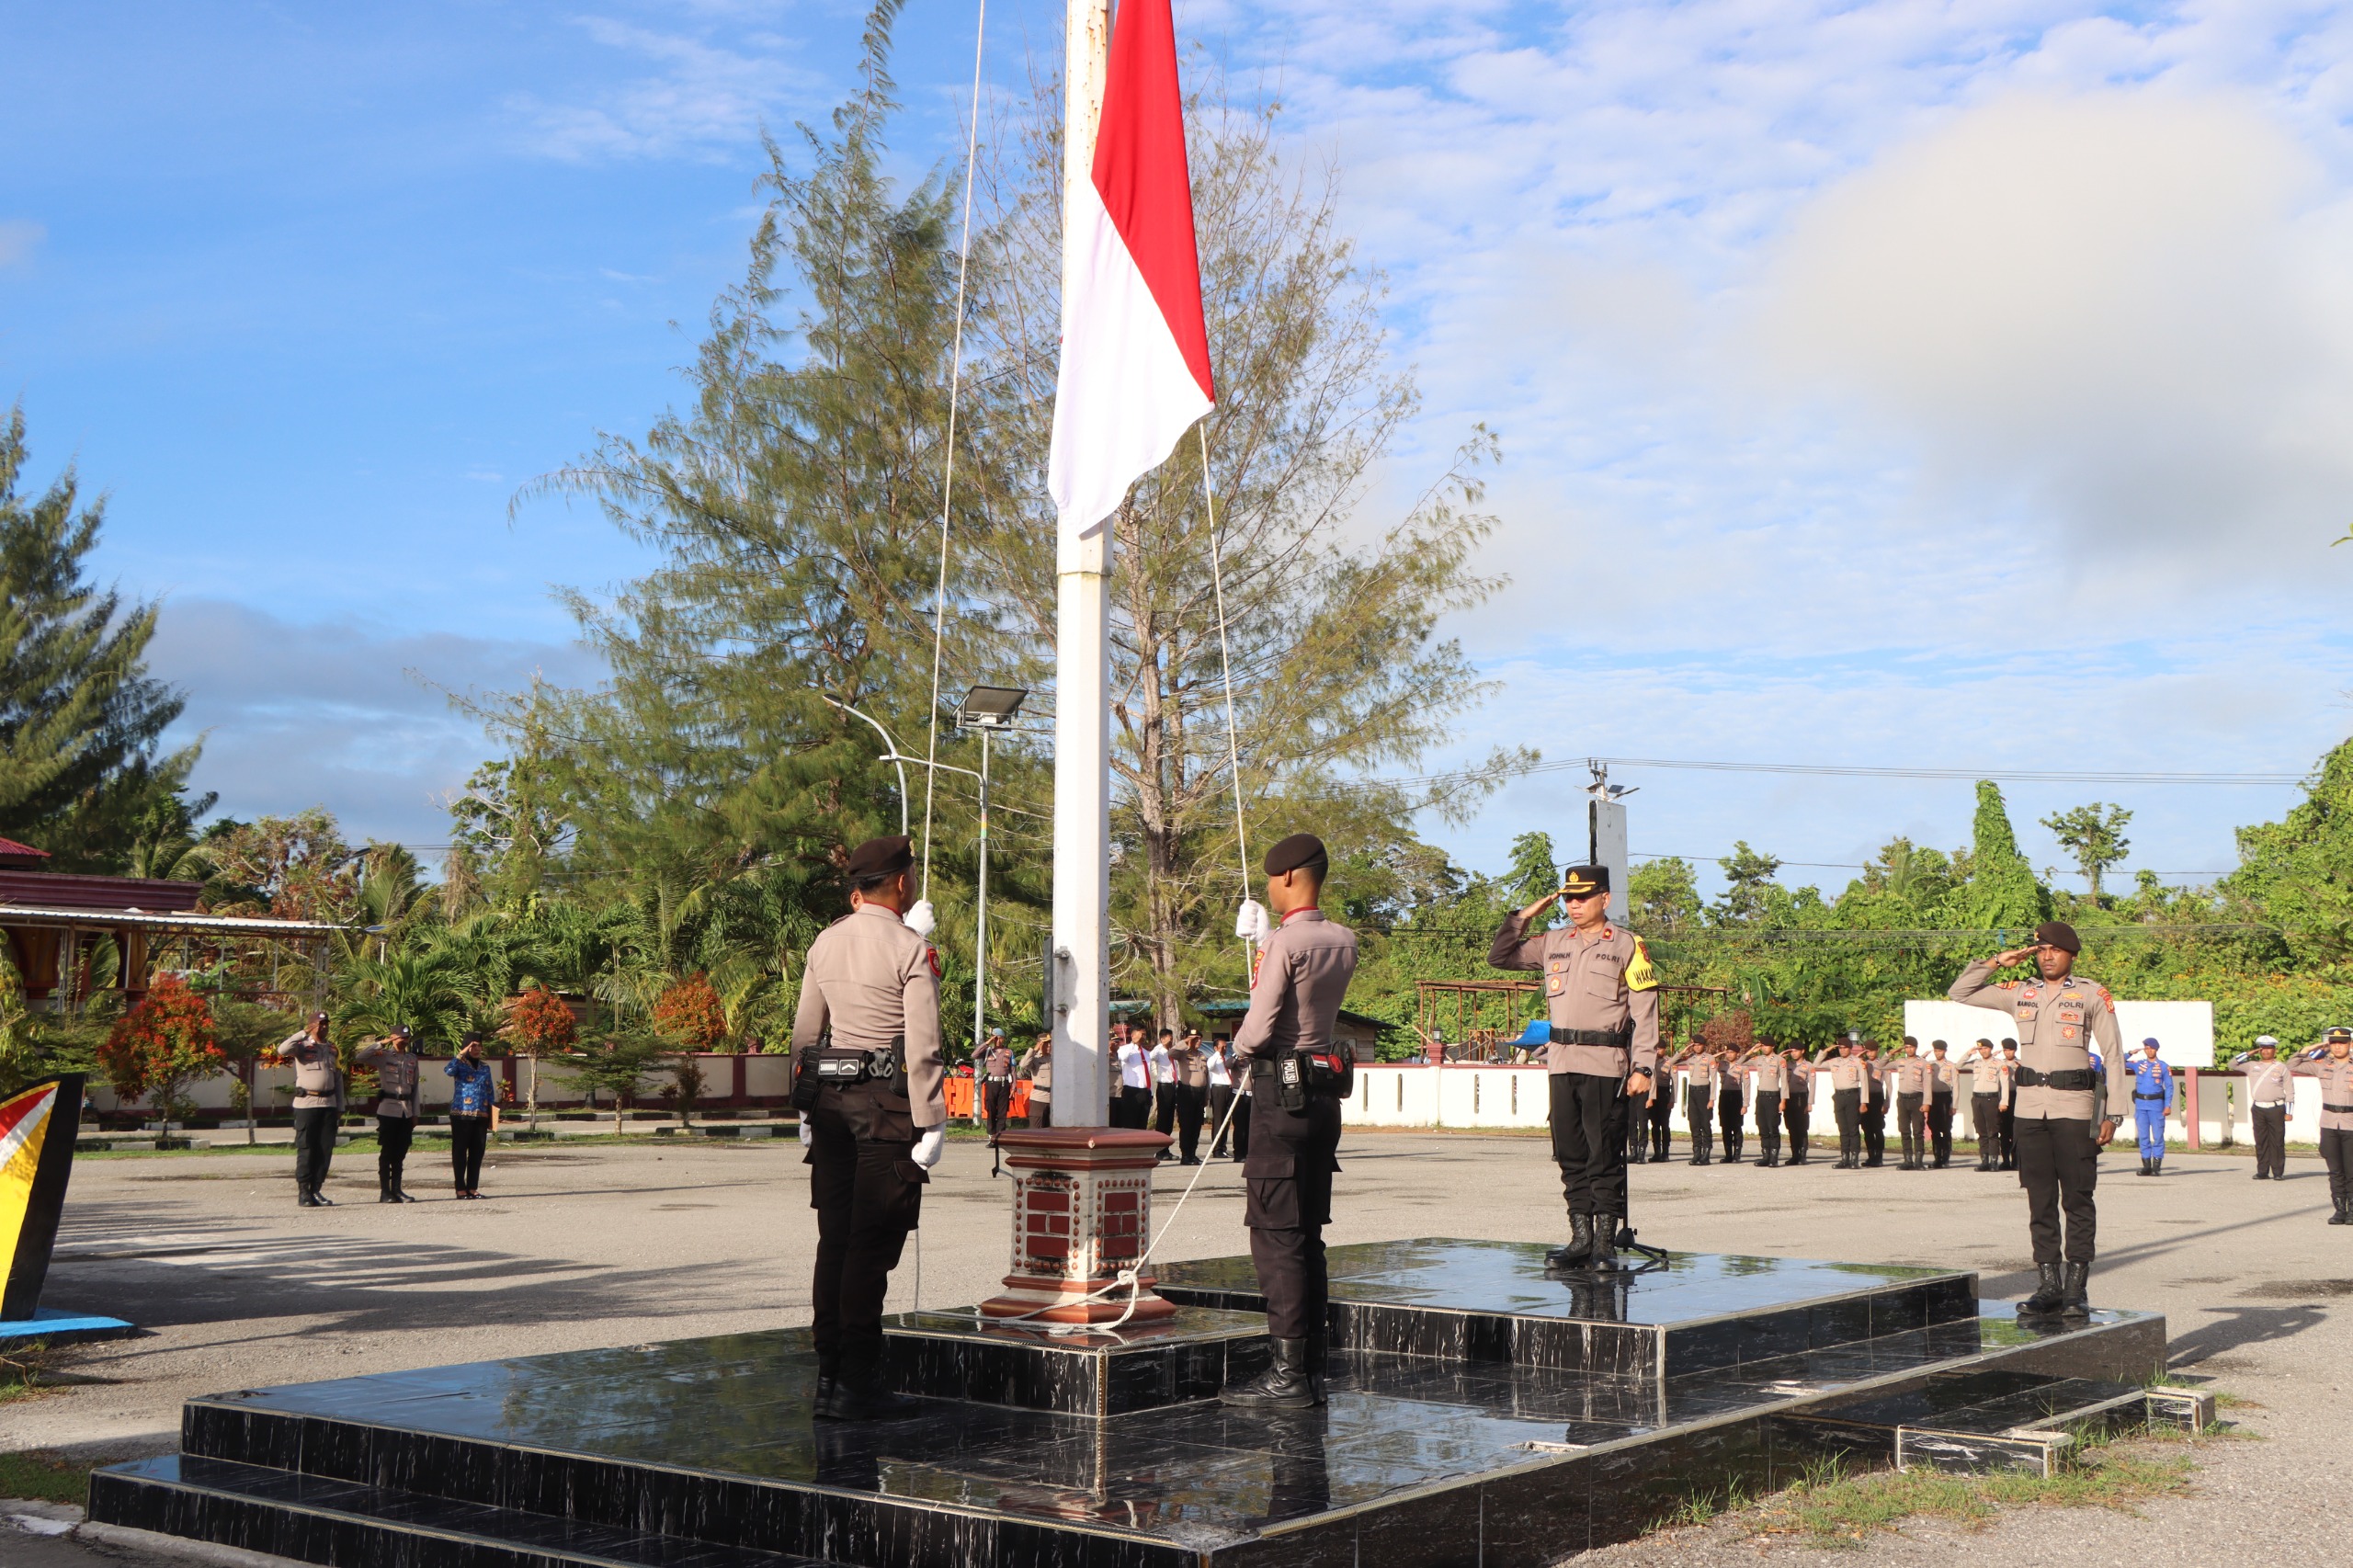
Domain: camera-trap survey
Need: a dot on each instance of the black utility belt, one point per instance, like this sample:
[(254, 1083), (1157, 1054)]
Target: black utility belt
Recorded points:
[(1618, 1038), (823, 1067), (1301, 1076), (2339, 1110), (2074, 1078), (2138, 1095)]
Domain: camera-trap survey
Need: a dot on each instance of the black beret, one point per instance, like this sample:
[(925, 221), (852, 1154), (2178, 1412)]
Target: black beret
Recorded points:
[(880, 857), (1300, 851), (2058, 934), (1584, 881)]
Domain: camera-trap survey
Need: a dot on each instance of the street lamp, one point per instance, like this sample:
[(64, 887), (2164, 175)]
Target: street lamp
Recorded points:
[(987, 709)]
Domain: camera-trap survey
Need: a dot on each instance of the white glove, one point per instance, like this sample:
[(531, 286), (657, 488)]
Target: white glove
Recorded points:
[(808, 1133), (930, 1143), (921, 918), (1250, 921)]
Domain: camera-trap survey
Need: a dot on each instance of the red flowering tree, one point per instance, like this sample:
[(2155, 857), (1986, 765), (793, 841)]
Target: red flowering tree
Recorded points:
[(691, 1014), (538, 1023), (162, 1045)]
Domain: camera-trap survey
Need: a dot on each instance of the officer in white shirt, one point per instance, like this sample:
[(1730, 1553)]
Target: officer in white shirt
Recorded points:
[(2268, 1090), (1163, 1090), (1134, 1105), (1221, 1092)]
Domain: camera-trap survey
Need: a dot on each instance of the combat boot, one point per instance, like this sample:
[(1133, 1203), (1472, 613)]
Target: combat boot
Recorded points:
[(1580, 1246), (1284, 1385), (1319, 1352), (1605, 1246), (829, 1377), (2050, 1295), (860, 1395), (2158, 1167), (305, 1197), (384, 1193), (2144, 1165), (2075, 1290), (2342, 1217)]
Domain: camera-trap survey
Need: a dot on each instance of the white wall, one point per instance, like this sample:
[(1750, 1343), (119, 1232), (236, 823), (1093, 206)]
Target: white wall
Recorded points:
[(2184, 1030)]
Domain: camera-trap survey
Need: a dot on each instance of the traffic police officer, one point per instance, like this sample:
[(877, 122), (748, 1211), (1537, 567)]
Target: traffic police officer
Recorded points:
[(866, 1079), (2152, 1098), (1601, 995), (2268, 1089), (2331, 1062), (2061, 1104), (1297, 1080)]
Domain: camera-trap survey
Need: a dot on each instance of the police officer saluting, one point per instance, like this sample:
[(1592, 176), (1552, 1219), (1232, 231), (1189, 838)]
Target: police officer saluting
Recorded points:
[(1601, 993), (2062, 1104), (867, 1078), (1298, 1078)]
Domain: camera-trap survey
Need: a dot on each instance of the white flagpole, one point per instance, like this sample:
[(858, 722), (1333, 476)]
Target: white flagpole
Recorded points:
[(1082, 952)]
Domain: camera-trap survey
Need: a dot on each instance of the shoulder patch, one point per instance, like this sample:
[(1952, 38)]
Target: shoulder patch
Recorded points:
[(2105, 998), (1641, 973), (931, 957)]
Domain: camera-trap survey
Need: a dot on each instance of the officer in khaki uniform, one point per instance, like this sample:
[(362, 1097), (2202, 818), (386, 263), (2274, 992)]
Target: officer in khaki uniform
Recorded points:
[(867, 1078), (1601, 993), (2062, 1104), (393, 1061), (1766, 1074), (1944, 1082), (2331, 1063), (1797, 1103), (2268, 1089), (1914, 1081), (1698, 1097), (1297, 1081), (1847, 1075)]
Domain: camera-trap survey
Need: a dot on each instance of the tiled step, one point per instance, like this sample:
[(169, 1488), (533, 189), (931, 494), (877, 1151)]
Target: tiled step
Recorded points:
[(1982, 1420), (315, 1519)]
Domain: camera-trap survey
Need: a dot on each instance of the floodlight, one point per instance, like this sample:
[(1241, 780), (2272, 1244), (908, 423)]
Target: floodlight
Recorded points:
[(991, 706)]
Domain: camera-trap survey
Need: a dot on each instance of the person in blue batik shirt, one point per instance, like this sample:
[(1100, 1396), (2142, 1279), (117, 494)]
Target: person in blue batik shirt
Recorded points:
[(471, 1099), (2152, 1098)]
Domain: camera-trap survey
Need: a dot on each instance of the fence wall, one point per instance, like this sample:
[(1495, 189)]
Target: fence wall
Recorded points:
[(729, 1080)]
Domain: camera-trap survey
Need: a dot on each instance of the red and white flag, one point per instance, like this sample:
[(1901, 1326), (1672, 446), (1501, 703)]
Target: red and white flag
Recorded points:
[(1135, 368)]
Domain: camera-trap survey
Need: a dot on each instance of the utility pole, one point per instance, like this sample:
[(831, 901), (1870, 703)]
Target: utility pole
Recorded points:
[(1605, 831), (1080, 952)]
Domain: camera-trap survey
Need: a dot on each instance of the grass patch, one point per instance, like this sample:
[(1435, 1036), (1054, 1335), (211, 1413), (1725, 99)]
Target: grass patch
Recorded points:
[(43, 1477), (21, 1375), (1834, 1509)]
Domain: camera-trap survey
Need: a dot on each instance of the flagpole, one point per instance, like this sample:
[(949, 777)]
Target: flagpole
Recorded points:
[(1081, 946)]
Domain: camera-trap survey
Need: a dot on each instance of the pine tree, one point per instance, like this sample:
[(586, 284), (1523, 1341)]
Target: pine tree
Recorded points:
[(80, 718), (2002, 892)]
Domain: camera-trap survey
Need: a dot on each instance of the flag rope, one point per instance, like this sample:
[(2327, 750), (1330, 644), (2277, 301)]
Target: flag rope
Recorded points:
[(1224, 656), (948, 480)]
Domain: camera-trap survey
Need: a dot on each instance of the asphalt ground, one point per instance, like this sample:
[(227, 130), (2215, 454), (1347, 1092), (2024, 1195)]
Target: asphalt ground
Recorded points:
[(580, 1247)]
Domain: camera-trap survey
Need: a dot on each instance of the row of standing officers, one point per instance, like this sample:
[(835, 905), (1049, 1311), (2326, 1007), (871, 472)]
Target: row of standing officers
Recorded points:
[(868, 1082)]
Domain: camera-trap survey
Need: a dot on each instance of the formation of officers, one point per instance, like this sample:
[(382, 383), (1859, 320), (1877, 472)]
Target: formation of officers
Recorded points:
[(868, 1080)]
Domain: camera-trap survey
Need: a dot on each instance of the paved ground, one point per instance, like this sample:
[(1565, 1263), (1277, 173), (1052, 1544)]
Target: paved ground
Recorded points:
[(601, 1246)]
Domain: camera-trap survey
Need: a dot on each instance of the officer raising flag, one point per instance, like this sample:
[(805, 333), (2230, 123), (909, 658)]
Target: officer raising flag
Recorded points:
[(1601, 993), (867, 1080), (1298, 1078)]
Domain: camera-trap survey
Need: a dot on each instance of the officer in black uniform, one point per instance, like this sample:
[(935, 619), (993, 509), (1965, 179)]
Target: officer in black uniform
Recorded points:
[(867, 1080), (1297, 1080)]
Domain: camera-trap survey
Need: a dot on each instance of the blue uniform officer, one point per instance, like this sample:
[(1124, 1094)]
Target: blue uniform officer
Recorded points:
[(2151, 1096)]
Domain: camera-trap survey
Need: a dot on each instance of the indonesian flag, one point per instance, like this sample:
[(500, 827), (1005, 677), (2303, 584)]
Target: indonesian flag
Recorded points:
[(1135, 370)]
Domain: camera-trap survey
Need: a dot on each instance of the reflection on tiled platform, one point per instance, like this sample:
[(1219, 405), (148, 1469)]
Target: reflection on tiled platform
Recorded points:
[(1497, 1302), (1096, 1371), (703, 1451)]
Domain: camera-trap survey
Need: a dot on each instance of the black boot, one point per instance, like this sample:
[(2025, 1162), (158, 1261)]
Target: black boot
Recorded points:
[(319, 1199), (1580, 1246), (829, 1379), (2075, 1290), (2049, 1296), (1605, 1245), (305, 1197), (1284, 1385), (2144, 1165), (2343, 1216), (860, 1395), (1319, 1352), (2158, 1167), (384, 1193)]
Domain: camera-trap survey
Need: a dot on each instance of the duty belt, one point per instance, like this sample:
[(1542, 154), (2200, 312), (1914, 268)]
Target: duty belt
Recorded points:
[(2339, 1110), (2138, 1095), (1619, 1037), (2066, 1078)]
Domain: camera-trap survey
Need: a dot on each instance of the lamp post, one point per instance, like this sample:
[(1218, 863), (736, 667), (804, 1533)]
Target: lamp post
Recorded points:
[(890, 755), (987, 709)]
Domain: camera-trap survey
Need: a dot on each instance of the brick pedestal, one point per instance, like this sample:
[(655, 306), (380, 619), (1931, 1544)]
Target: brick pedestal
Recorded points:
[(1082, 1211)]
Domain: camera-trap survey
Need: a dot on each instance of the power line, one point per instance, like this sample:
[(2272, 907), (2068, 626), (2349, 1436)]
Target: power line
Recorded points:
[(2014, 775), (1849, 865)]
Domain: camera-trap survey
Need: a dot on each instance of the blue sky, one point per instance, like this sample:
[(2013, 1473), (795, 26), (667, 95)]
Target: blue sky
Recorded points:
[(1958, 384)]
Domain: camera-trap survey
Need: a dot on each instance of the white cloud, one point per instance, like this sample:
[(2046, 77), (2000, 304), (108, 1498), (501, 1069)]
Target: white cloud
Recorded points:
[(2135, 309), (19, 237), (352, 715), (702, 98)]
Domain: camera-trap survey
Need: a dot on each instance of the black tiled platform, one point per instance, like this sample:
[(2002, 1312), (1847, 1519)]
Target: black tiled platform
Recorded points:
[(1095, 1371), (1496, 1301), (703, 1451)]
